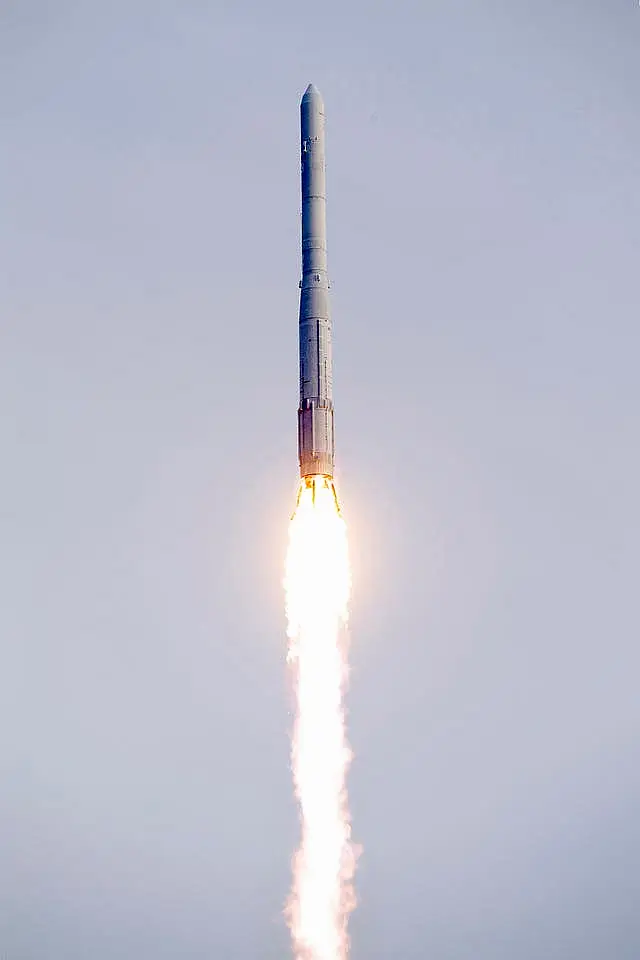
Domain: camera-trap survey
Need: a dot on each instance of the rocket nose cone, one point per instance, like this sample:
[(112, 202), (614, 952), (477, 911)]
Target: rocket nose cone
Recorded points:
[(312, 95)]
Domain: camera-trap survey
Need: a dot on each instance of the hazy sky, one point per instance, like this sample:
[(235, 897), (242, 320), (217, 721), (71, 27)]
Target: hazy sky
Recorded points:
[(484, 229)]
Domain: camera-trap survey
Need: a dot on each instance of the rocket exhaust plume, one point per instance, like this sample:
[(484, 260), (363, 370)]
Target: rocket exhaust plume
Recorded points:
[(317, 586), (317, 591)]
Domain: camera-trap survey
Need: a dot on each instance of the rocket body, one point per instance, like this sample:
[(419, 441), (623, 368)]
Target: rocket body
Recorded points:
[(315, 413)]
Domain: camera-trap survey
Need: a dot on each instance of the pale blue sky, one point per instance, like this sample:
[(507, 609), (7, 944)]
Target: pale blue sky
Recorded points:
[(484, 229)]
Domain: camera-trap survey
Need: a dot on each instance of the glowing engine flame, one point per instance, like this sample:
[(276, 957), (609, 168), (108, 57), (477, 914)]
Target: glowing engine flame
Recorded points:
[(317, 584)]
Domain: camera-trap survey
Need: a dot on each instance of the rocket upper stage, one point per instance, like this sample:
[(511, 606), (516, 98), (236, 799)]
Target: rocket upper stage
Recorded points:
[(315, 414)]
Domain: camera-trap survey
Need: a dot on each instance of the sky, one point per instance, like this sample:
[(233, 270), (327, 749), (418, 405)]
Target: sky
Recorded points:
[(484, 227)]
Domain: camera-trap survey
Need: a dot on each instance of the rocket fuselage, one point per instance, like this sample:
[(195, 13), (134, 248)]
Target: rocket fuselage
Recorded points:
[(315, 414)]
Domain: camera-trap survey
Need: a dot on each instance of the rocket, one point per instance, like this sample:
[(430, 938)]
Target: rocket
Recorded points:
[(315, 413)]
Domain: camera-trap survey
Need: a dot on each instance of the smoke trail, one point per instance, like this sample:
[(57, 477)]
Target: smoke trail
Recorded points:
[(317, 585)]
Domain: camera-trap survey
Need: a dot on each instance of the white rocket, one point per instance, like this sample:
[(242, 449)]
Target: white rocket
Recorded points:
[(315, 414)]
